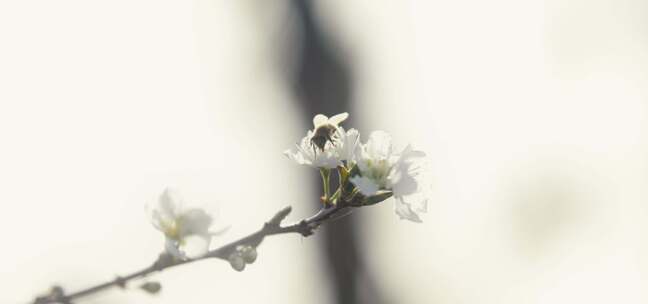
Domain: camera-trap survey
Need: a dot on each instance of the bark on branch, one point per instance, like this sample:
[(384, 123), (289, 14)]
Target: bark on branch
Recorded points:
[(305, 227)]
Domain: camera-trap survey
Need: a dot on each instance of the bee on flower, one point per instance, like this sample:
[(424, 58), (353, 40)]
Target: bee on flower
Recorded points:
[(373, 170), (328, 145), (325, 128)]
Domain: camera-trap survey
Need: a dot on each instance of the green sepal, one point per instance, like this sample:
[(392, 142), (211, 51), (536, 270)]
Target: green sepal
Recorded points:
[(347, 185), (343, 172), (354, 171), (376, 198)]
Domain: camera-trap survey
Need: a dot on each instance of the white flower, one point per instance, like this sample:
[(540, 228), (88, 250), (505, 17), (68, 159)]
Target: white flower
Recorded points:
[(187, 231), (382, 169), (347, 144), (307, 154), (325, 128), (344, 147), (327, 145)]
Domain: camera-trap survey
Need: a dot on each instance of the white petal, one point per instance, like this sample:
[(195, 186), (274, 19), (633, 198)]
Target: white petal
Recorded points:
[(365, 185), (194, 221), (403, 178), (421, 206), (363, 163), (349, 145), (326, 160), (379, 145), (298, 156), (158, 221), (164, 211), (195, 245), (404, 210), (408, 153), (169, 203), (402, 183), (219, 231)]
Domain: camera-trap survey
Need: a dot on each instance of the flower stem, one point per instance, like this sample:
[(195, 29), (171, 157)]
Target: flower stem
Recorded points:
[(326, 181)]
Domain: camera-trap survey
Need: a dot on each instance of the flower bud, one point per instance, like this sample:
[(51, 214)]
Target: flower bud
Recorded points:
[(237, 262), (249, 254), (151, 287)]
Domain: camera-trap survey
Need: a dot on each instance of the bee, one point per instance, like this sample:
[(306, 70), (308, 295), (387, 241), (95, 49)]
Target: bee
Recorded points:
[(325, 128)]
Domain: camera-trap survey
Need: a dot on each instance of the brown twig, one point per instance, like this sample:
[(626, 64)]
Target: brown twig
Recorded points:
[(305, 227)]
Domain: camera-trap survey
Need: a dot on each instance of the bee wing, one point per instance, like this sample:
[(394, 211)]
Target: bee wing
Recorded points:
[(337, 119), (319, 120)]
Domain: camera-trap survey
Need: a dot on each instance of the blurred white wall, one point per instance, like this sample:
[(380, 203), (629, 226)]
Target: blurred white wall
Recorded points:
[(532, 113), (103, 104)]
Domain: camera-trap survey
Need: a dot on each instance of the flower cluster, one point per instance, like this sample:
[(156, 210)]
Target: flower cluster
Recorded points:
[(369, 172)]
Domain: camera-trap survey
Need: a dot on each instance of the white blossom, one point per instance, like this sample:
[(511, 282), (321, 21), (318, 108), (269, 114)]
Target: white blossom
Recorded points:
[(307, 154), (382, 169), (186, 230), (347, 144), (328, 145)]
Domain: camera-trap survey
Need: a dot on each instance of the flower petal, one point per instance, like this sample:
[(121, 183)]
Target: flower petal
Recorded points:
[(169, 203), (404, 210), (219, 231), (409, 153), (196, 245), (365, 185), (379, 145), (402, 183), (194, 221), (348, 147)]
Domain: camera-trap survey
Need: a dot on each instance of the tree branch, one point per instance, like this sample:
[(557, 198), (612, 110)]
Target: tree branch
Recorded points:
[(305, 227)]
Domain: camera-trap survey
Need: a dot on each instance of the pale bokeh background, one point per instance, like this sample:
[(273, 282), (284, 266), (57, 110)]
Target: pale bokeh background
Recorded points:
[(532, 113)]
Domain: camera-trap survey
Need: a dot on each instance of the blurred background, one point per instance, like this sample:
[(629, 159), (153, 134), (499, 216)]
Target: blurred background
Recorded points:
[(533, 115)]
